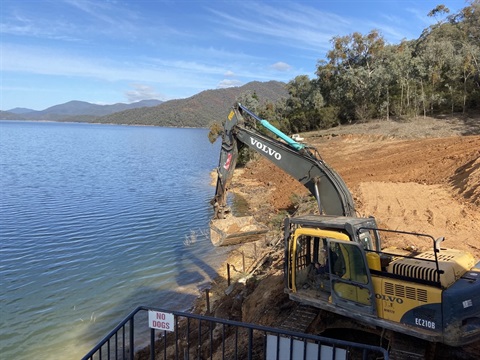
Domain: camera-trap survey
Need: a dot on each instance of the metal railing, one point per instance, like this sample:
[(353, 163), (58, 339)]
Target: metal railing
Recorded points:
[(202, 337)]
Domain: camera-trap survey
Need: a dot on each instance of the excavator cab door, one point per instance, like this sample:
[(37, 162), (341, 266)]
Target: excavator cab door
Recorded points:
[(350, 281), (326, 264)]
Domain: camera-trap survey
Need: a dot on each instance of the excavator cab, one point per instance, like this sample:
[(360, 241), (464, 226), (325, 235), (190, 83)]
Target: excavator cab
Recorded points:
[(428, 294), (326, 266)]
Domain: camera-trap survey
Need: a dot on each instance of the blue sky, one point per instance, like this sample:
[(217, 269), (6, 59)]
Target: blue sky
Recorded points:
[(109, 51)]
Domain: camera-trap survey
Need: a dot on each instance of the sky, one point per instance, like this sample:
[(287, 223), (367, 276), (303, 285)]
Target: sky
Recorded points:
[(110, 51)]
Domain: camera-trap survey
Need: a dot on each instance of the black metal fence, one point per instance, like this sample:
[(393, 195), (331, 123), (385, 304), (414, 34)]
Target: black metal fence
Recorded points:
[(179, 335)]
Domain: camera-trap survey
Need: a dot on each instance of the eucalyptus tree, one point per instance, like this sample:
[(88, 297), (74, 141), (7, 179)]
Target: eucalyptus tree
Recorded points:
[(470, 70), (338, 101), (402, 68), (248, 99), (357, 59), (468, 23), (304, 103), (362, 77), (449, 53), (276, 114)]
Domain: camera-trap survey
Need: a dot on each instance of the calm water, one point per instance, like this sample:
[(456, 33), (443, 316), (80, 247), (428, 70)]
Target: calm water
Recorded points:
[(93, 222)]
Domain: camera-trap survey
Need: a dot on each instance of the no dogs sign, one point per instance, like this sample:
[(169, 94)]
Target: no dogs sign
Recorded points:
[(161, 321)]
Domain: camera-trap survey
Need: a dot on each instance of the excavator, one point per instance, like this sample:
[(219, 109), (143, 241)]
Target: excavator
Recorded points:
[(334, 260)]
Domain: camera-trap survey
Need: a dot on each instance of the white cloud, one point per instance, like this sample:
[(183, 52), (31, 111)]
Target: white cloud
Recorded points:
[(96, 9), (84, 21), (226, 83), (189, 76), (281, 66), (294, 25), (47, 61), (142, 92), (308, 27)]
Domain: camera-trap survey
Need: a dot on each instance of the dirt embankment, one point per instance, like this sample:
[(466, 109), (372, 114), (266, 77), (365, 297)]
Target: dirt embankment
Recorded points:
[(415, 183), (421, 176)]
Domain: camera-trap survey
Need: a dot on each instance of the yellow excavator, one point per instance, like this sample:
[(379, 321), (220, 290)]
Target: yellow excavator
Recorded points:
[(335, 261)]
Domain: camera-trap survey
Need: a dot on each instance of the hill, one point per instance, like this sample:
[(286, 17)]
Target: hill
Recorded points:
[(74, 107), (199, 110), (6, 115), (196, 111), (80, 111), (19, 110)]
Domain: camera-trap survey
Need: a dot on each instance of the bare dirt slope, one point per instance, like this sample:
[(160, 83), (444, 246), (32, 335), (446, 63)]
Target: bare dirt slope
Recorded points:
[(427, 185), (421, 176)]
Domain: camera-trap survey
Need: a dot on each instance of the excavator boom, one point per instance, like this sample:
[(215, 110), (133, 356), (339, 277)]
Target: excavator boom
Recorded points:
[(298, 160)]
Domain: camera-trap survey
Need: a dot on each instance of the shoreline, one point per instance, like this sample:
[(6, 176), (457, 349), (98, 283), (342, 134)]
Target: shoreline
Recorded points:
[(242, 258)]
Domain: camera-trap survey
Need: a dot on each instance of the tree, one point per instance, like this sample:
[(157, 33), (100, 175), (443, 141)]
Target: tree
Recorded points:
[(449, 52), (355, 59), (249, 100), (303, 104), (275, 113), (439, 10)]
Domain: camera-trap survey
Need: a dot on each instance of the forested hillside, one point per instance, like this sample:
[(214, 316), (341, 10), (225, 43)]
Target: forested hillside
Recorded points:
[(363, 77), (74, 111), (199, 110)]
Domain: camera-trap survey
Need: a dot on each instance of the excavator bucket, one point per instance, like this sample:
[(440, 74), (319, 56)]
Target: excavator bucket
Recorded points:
[(235, 230)]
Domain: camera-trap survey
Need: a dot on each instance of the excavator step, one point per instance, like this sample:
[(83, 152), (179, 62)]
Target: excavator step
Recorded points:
[(300, 318)]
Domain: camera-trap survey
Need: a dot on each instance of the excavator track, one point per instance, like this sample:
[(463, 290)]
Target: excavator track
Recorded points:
[(404, 347), (305, 319), (300, 318)]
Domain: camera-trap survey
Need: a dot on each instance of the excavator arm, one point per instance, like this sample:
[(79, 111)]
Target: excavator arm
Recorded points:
[(298, 160)]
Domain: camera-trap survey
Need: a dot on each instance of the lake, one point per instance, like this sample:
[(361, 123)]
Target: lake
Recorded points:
[(96, 220)]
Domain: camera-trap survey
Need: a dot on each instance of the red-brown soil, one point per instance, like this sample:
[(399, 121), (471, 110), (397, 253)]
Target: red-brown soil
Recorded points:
[(420, 185), (420, 176)]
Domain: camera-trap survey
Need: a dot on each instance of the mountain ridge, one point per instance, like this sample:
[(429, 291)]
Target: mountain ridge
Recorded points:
[(79, 108), (198, 110)]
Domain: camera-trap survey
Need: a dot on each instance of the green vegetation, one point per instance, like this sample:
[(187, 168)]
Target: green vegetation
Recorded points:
[(200, 110), (361, 78), (365, 78)]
